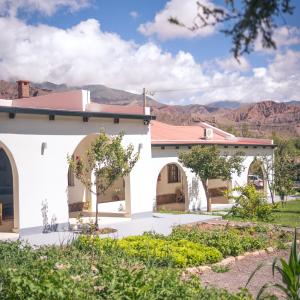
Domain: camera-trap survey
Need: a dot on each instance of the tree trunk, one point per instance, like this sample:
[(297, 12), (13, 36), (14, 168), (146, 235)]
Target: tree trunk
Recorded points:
[(96, 220), (271, 191), (207, 194)]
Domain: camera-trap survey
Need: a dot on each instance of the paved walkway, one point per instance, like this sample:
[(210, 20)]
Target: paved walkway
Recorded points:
[(160, 223)]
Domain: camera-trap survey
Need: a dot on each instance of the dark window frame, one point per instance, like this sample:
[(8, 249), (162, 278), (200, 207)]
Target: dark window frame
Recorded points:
[(174, 175)]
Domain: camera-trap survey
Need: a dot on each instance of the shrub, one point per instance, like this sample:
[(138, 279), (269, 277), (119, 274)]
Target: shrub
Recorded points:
[(249, 204), (230, 242), (179, 253), (78, 271), (153, 249)]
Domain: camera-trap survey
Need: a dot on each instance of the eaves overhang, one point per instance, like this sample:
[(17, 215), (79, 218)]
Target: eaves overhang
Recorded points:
[(88, 114), (157, 144)]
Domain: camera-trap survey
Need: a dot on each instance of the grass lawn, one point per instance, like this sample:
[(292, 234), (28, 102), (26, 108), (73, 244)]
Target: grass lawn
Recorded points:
[(288, 215)]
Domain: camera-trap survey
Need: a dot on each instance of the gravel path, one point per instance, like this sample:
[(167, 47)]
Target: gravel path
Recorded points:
[(240, 272)]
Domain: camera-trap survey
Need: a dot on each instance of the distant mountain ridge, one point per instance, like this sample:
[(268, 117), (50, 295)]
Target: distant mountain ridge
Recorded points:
[(260, 119)]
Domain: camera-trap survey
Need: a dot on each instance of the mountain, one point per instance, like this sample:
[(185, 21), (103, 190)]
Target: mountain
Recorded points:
[(260, 119), (225, 104), (101, 94), (8, 90), (263, 119)]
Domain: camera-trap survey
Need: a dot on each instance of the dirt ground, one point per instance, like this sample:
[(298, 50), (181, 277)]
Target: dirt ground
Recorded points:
[(240, 272)]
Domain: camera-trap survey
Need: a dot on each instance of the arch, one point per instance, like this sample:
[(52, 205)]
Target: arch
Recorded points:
[(115, 202), (172, 188), (257, 175), (11, 191)]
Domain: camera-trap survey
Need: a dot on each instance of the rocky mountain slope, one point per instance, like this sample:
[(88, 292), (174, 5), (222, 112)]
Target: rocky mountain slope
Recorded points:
[(258, 119)]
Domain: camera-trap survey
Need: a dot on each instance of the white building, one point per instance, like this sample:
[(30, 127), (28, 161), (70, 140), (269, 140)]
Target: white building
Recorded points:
[(38, 133)]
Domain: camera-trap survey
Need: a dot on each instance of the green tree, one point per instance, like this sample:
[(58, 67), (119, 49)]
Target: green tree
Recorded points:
[(285, 170), (267, 163), (207, 163), (244, 21), (106, 160)]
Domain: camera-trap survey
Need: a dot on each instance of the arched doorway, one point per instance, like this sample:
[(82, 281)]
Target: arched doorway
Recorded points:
[(171, 189), (9, 219), (81, 201), (257, 176)]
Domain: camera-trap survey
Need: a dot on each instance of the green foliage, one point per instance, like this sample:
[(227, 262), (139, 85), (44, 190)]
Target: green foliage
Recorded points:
[(220, 268), (180, 253), (81, 271), (207, 163), (107, 160), (230, 242), (285, 171), (249, 203), (157, 251)]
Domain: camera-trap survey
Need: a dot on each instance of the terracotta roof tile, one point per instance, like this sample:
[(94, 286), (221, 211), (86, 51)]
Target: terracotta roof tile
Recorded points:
[(165, 134)]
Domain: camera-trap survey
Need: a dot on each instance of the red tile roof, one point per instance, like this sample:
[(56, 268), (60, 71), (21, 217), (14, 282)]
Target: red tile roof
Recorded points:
[(165, 134)]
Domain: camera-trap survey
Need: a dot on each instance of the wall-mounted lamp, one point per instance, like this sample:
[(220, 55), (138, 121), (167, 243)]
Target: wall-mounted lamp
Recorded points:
[(43, 148)]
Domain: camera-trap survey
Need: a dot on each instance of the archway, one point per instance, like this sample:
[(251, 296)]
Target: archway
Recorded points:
[(81, 201), (217, 188), (9, 204), (172, 189), (257, 176)]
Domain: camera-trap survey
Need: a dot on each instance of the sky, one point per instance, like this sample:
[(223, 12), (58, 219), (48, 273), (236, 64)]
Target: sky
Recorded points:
[(129, 44)]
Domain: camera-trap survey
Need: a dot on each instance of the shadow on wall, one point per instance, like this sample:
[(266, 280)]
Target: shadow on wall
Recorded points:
[(53, 226), (194, 193)]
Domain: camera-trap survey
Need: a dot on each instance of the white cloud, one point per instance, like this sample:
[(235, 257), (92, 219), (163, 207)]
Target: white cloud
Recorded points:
[(134, 14), (185, 11), (279, 81), (230, 64), (84, 54), (47, 7)]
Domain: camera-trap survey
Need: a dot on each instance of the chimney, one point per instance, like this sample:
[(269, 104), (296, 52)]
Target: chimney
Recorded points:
[(23, 88)]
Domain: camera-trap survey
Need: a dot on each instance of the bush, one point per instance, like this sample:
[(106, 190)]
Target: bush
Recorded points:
[(249, 204), (180, 253), (80, 271), (230, 242)]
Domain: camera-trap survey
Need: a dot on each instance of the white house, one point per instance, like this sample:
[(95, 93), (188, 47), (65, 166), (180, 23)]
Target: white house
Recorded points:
[(38, 133)]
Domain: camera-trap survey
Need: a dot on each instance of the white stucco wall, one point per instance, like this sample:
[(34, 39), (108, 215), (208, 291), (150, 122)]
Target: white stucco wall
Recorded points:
[(44, 177), (197, 198)]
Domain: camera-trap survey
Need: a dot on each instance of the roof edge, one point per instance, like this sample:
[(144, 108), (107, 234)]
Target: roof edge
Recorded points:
[(42, 111), (162, 144)]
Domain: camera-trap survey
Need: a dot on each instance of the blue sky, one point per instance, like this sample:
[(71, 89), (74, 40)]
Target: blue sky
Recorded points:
[(129, 44)]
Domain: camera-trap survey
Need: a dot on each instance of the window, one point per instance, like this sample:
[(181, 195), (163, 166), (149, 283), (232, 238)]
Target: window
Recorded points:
[(71, 179), (173, 173)]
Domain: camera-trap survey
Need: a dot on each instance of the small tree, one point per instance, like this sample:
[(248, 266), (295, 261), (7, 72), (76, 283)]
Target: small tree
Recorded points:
[(207, 163), (269, 172), (107, 160), (285, 171), (281, 170)]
